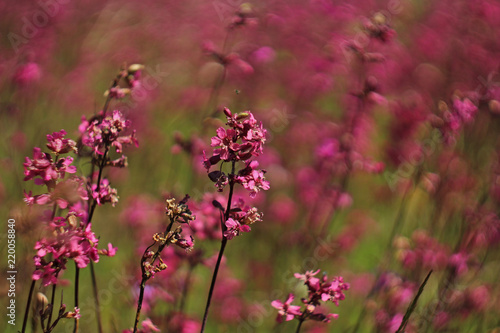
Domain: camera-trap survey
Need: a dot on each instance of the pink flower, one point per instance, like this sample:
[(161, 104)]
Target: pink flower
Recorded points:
[(285, 310), (102, 132), (58, 144), (308, 277), (465, 109), (27, 73), (234, 228), (458, 262), (147, 326), (110, 251), (252, 179), (42, 165), (243, 128), (185, 243), (41, 199), (105, 193)]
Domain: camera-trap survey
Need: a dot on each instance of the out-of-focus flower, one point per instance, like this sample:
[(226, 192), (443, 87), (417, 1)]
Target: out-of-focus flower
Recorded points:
[(286, 310)]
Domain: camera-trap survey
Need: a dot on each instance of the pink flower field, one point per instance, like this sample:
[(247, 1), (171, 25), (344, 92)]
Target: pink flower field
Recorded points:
[(263, 166)]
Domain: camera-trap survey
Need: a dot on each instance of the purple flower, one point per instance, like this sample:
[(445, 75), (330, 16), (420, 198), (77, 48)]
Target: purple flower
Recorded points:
[(100, 132), (105, 193), (58, 144), (234, 228), (308, 277), (251, 179), (42, 165), (285, 310)]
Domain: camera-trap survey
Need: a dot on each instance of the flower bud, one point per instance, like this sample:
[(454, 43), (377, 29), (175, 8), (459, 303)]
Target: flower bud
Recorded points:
[(135, 68), (41, 302)]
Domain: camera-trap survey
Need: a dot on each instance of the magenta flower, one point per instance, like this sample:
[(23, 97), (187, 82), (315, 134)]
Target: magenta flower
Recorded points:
[(58, 144), (319, 290), (100, 132), (226, 140), (147, 327), (42, 165), (465, 109), (185, 243), (71, 240), (110, 251), (251, 179), (234, 228), (286, 310), (308, 277), (40, 199), (243, 128), (105, 193)]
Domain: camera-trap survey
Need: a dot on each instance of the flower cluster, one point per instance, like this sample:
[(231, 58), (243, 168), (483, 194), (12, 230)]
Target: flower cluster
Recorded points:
[(241, 217), (104, 193), (44, 166), (71, 240), (176, 212), (319, 290), (453, 119), (131, 76), (424, 254), (243, 140), (101, 132)]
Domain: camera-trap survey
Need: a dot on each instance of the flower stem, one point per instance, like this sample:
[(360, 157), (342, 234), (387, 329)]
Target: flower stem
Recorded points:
[(222, 246), (101, 168), (299, 326), (30, 295), (77, 282), (145, 276), (212, 285), (52, 299), (96, 297), (185, 289), (139, 304), (92, 271)]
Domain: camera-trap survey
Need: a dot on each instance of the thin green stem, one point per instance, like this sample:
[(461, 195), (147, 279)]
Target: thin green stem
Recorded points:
[(299, 325), (52, 300), (77, 283), (96, 297), (185, 289)]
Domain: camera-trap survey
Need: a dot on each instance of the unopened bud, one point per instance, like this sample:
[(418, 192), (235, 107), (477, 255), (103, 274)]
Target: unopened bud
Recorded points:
[(379, 18), (245, 8), (310, 308), (135, 68), (241, 115), (401, 243), (494, 106), (72, 221), (442, 106), (41, 302)]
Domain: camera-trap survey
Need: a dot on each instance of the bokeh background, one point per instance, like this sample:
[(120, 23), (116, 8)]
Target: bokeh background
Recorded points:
[(382, 153)]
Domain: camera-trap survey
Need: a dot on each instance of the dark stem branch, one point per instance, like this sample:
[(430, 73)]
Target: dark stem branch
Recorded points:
[(30, 295), (139, 304), (52, 300), (299, 326), (222, 245), (145, 275)]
